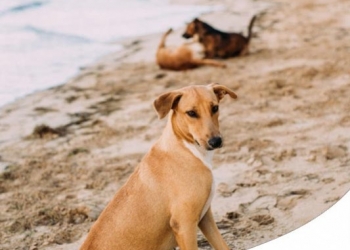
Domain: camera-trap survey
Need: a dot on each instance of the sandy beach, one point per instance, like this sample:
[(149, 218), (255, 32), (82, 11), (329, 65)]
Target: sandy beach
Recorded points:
[(65, 151)]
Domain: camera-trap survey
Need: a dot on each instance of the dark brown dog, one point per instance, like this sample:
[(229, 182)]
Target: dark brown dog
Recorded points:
[(181, 57), (217, 43)]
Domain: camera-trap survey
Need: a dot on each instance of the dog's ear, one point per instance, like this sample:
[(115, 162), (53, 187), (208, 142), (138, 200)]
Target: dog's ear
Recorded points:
[(165, 102), (221, 90)]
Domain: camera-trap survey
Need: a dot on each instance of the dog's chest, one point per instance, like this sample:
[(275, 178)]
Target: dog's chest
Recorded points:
[(210, 198), (206, 158)]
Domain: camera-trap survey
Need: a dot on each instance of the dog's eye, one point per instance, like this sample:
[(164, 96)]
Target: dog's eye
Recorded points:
[(192, 114), (215, 109)]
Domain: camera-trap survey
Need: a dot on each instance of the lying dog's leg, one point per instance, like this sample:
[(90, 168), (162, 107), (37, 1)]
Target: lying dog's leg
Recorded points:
[(211, 231), (209, 54), (162, 41), (210, 62)]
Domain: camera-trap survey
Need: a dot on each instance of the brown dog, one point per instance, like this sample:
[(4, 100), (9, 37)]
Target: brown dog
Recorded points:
[(217, 43), (169, 194), (180, 58)]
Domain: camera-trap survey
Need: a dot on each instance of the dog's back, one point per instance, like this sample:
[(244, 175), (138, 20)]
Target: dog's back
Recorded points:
[(218, 43), (238, 44)]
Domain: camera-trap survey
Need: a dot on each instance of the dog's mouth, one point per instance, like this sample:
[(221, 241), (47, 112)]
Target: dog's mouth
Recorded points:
[(210, 148)]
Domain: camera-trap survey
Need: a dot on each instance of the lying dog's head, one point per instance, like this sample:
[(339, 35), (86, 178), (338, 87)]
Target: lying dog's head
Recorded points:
[(195, 113), (192, 28)]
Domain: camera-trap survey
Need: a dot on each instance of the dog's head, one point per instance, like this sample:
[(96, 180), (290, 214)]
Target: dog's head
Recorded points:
[(192, 28), (195, 116)]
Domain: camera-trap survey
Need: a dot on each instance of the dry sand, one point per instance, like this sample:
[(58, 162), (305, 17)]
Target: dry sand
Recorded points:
[(287, 137)]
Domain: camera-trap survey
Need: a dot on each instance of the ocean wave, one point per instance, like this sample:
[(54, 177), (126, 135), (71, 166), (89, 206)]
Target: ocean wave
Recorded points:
[(47, 34), (21, 7)]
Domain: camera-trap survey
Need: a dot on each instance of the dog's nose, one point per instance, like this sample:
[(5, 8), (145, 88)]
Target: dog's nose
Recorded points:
[(215, 142), (185, 35)]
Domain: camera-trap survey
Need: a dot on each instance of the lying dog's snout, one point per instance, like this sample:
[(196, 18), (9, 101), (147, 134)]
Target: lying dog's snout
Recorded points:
[(215, 142), (185, 35)]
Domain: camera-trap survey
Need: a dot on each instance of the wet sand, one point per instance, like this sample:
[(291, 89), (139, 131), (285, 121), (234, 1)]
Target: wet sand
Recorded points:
[(65, 151)]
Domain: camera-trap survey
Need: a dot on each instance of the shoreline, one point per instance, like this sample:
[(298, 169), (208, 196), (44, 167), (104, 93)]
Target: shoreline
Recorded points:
[(82, 48), (286, 157)]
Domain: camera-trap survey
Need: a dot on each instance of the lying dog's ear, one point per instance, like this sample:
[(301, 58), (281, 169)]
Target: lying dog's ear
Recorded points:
[(165, 102), (221, 90)]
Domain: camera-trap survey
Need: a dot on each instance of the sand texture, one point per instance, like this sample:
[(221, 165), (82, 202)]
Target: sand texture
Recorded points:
[(65, 151)]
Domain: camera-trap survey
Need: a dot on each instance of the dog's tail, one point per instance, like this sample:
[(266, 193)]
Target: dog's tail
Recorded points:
[(162, 41), (250, 27), (199, 62)]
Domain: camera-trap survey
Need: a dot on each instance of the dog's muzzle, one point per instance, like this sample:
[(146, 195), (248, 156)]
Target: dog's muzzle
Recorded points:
[(215, 142), (185, 35)]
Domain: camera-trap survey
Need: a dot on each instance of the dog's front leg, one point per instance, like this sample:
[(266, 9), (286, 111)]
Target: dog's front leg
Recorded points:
[(209, 54), (208, 226), (185, 230)]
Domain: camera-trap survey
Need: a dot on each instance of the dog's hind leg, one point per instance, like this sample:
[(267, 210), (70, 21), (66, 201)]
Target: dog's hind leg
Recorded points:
[(245, 50), (162, 41), (199, 62)]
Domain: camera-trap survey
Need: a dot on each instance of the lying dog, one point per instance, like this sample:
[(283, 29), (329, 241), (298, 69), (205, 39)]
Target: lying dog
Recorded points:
[(180, 58), (217, 43), (169, 194)]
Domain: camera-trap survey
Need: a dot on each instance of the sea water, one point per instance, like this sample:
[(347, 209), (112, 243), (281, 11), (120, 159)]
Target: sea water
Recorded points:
[(44, 42)]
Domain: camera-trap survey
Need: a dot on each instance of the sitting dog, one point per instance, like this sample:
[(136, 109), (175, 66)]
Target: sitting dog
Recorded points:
[(180, 58), (218, 44), (169, 194)]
